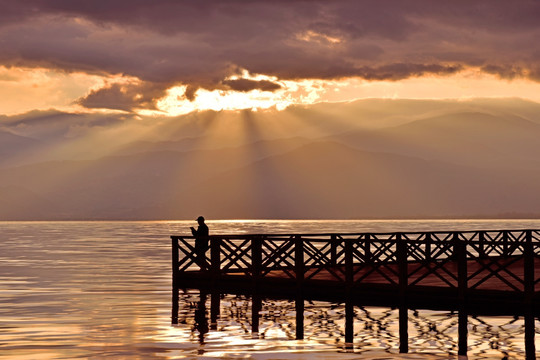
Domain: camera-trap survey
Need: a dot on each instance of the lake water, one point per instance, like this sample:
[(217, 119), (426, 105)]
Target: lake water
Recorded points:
[(103, 290)]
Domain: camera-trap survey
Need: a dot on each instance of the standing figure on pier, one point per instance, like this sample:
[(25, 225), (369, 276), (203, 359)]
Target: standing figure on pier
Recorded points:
[(201, 242)]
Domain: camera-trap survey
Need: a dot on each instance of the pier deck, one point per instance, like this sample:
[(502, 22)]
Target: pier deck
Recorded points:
[(472, 272)]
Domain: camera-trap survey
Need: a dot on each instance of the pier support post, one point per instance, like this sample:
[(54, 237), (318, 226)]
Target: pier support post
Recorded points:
[(174, 311), (256, 305), (214, 309), (530, 349), (460, 254), (299, 307), (403, 328), (528, 279), (299, 272), (349, 324), (462, 331), (401, 249), (349, 309)]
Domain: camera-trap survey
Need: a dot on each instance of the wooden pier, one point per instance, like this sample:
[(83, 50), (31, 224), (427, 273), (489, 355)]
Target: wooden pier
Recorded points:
[(471, 272)]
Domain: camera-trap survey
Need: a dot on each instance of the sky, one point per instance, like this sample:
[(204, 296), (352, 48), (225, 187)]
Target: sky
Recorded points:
[(167, 58), (126, 109)]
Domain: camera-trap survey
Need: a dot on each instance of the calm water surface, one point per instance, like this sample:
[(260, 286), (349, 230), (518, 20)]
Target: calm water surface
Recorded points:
[(102, 290)]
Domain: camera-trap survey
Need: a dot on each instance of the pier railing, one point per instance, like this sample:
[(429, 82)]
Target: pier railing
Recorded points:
[(473, 259)]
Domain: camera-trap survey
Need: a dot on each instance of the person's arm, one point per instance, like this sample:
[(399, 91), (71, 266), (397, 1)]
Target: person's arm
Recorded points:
[(193, 231)]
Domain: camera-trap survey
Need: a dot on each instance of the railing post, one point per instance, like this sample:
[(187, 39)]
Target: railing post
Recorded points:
[(299, 270), (349, 277), (256, 263), (256, 258), (367, 244), (215, 258), (460, 254), (401, 250), (174, 311), (299, 260), (333, 250), (528, 269), (481, 245), (528, 279), (428, 247), (505, 243)]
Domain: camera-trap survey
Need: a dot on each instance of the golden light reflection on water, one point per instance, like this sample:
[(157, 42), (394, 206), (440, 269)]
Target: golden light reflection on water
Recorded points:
[(102, 290)]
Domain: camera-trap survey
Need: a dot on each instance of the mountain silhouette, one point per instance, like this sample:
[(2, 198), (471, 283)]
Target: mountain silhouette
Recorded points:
[(415, 159)]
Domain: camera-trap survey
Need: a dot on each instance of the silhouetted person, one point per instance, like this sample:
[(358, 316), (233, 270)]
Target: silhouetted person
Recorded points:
[(201, 242)]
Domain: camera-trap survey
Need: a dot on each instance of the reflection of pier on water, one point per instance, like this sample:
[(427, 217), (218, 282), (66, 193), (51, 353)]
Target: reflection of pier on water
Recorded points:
[(456, 277), (374, 328)]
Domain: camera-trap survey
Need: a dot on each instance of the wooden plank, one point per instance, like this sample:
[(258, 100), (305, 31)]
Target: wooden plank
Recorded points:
[(473, 266)]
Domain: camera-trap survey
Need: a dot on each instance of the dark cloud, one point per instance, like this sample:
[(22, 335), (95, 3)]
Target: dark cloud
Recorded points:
[(190, 92), (400, 71), (506, 72), (124, 97), (249, 85), (510, 72), (202, 43)]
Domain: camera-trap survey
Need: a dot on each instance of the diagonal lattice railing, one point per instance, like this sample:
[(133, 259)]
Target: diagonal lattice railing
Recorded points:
[(479, 260)]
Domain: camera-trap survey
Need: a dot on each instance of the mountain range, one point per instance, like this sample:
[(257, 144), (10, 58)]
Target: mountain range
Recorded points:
[(404, 159)]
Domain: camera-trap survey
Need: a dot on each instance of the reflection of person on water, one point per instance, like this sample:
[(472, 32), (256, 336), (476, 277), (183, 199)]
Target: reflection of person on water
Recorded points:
[(201, 242), (201, 321)]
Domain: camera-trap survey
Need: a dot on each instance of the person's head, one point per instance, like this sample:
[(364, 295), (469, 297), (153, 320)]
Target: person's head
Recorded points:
[(200, 220)]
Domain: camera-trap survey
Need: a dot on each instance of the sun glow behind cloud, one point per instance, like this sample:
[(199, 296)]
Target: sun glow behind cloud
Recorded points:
[(469, 83), (291, 92)]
